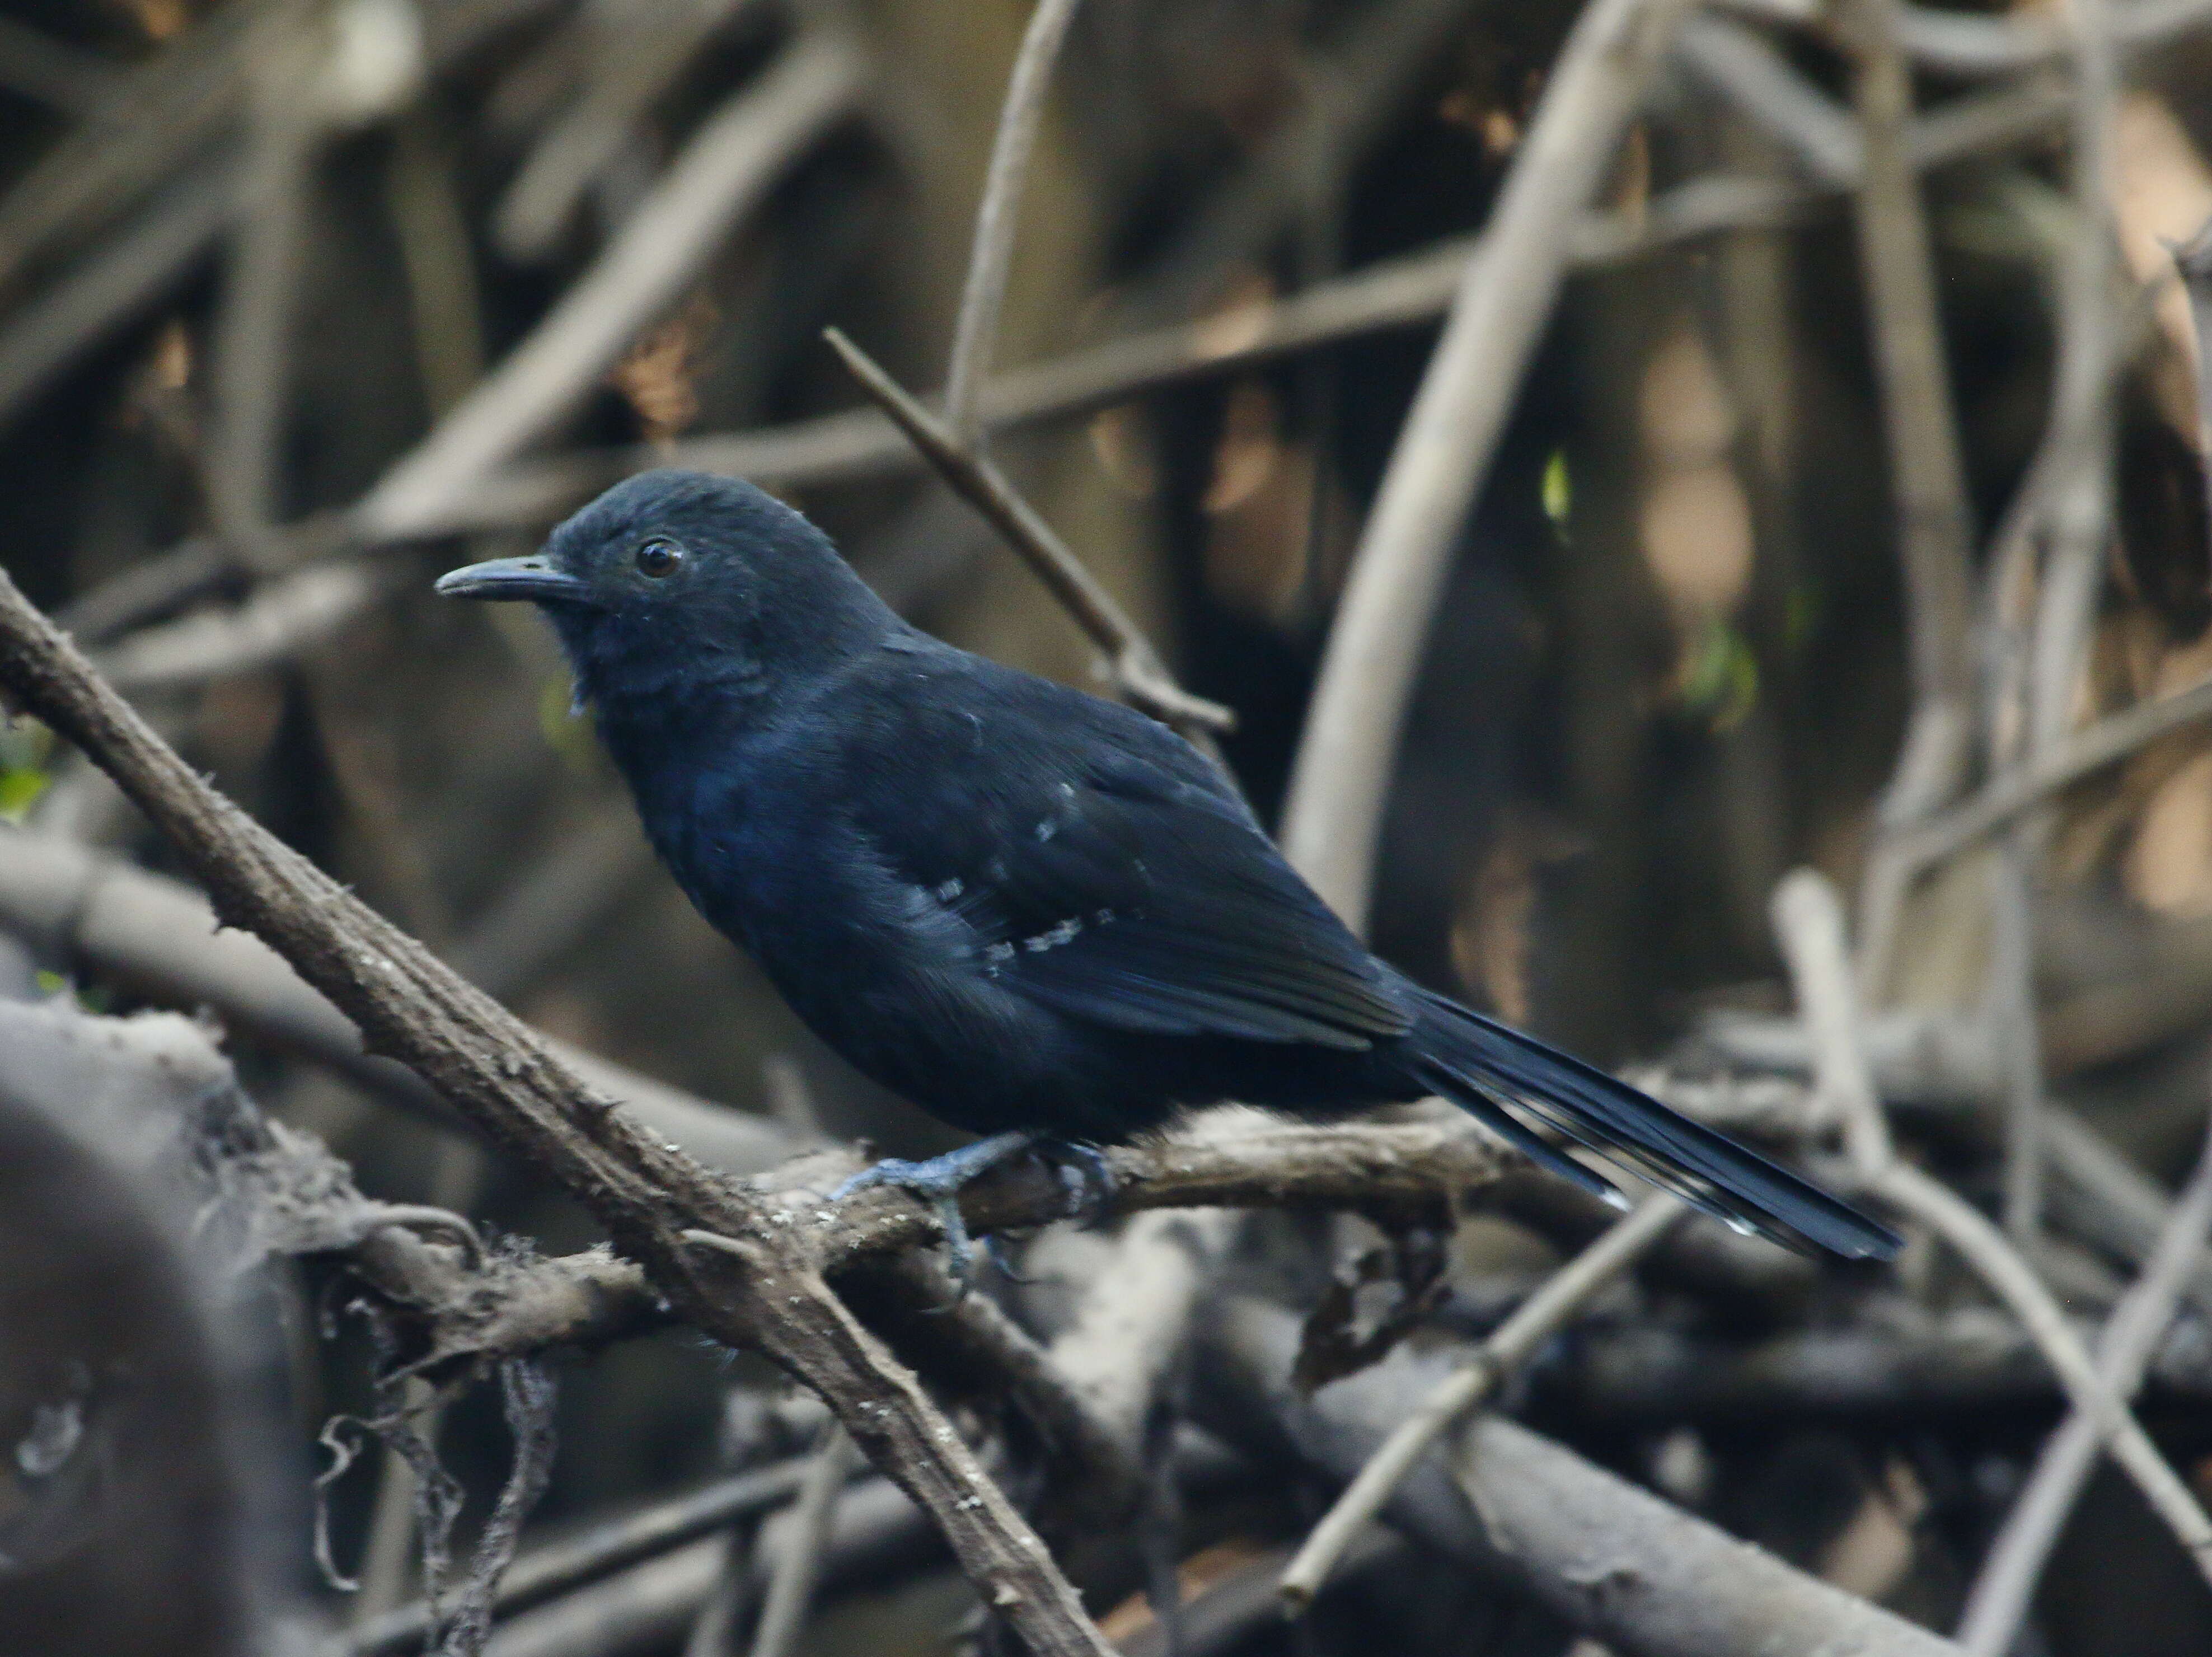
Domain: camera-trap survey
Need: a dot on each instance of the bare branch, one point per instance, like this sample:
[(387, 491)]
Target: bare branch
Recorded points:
[(1136, 666), (1984, 1248), (2015, 1560), (798, 1558), (1444, 451), (977, 329), (1810, 920), (1613, 1560), (729, 165), (1745, 68), (1538, 1317), (1920, 425), (2075, 757)]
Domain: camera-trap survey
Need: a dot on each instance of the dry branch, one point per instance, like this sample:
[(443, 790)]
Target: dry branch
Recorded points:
[(1617, 1563), (1809, 922), (1137, 668), (1919, 426), (1505, 297), (976, 330), (1538, 1317), (2015, 1559)]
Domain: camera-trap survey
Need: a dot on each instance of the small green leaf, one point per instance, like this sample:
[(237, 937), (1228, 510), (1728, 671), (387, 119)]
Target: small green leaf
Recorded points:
[(1722, 680), (1558, 490), (20, 787)]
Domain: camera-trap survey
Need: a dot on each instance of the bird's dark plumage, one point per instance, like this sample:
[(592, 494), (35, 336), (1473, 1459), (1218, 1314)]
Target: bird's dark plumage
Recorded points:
[(1022, 907)]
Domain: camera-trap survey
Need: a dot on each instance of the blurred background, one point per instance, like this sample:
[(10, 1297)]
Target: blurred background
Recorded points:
[(302, 302)]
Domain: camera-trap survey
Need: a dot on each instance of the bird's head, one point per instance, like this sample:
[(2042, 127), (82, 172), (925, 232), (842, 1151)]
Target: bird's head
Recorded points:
[(674, 585)]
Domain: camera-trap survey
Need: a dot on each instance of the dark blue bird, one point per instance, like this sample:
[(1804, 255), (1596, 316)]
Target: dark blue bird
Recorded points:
[(1039, 915)]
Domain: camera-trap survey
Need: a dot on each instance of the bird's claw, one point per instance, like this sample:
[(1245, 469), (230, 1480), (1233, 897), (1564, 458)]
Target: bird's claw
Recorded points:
[(939, 1182), (1085, 1175)]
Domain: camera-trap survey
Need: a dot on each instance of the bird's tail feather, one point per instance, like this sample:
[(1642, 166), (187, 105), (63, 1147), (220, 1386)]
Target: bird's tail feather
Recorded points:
[(1492, 1071)]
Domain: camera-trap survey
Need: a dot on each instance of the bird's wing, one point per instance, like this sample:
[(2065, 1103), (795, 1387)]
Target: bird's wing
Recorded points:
[(1101, 869)]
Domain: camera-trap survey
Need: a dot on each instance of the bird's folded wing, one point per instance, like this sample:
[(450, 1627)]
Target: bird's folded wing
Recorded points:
[(1112, 889)]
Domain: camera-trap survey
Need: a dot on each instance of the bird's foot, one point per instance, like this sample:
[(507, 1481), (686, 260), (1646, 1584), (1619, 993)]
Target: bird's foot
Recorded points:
[(939, 1182), (1084, 1173)]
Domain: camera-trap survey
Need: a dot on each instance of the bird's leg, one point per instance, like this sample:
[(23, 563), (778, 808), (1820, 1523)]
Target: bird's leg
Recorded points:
[(938, 1183)]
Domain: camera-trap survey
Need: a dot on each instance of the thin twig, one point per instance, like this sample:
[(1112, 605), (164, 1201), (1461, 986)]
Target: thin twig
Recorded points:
[(1746, 68), (1810, 920), (1542, 1315), (1919, 424), (1444, 451), (728, 167), (799, 1555), (1983, 1247), (2038, 658), (549, 1572), (2016, 1033), (1136, 666), (2015, 1560), (2079, 756), (976, 331)]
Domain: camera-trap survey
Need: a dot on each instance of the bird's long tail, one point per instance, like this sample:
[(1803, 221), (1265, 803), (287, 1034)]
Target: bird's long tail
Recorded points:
[(1515, 1084)]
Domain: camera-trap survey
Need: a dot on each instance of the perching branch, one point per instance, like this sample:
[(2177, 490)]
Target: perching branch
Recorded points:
[(760, 1288)]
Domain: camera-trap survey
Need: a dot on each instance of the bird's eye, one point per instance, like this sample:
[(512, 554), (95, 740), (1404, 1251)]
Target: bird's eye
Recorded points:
[(659, 559)]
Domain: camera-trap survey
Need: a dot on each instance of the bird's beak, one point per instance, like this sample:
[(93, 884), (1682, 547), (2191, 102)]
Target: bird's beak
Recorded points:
[(515, 578)]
